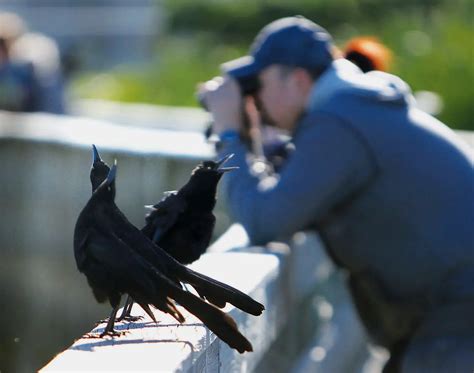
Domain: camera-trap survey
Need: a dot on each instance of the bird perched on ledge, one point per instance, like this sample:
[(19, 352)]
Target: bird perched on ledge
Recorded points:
[(118, 259), (182, 223)]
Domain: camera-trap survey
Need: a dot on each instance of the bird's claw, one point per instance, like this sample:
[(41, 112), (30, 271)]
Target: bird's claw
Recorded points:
[(113, 333), (130, 318), (91, 336)]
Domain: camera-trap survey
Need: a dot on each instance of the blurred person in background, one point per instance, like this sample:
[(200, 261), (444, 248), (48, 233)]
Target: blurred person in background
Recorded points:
[(368, 53), (18, 88), (389, 188), (45, 88), (11, 27), (43, 53)]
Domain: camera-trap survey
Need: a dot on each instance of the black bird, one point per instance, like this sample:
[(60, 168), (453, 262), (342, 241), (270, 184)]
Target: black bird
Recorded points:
[(182, 223), (99, 169), (215, 294), (99, 172), (117, 258)]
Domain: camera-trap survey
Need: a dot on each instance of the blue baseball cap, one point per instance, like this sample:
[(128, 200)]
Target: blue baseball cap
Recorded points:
[(290, 41)]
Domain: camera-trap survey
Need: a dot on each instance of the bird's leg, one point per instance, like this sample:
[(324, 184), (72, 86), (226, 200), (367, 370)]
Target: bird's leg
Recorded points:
[(109, 329), (127, 309)]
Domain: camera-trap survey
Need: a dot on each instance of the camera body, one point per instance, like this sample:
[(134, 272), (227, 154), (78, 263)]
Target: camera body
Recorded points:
[(248, 86)]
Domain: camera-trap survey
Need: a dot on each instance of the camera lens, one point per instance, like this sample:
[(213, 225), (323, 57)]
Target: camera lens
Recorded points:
[(248, 85)]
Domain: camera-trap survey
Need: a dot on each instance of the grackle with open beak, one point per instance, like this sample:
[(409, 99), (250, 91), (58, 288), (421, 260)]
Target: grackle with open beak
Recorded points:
[(182, 223)]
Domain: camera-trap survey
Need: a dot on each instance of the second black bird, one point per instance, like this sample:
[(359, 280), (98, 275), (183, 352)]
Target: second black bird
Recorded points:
[(182, 223)]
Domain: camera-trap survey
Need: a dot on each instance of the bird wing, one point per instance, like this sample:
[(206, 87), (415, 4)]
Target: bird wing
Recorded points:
[(119, 259), (81, 235), (219, 293), (79, 250), (220, 323), (215, 291), (131, 273), (163, 216)]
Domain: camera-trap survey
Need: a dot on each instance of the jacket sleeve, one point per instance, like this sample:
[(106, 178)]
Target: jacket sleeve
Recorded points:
[(331, 161)]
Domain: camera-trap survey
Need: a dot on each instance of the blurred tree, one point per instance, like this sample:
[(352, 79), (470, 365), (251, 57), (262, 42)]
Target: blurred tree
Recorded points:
[(432, 41)]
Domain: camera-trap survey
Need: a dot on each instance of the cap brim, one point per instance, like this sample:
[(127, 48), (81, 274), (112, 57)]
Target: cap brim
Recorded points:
[(241, 68)]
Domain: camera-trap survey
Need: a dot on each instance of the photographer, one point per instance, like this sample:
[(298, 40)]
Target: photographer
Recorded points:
[(389, 188)]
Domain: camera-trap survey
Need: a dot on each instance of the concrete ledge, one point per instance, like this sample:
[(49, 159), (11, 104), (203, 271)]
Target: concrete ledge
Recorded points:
[(175, 118), (82, 132), (169, 346), (278, 277)]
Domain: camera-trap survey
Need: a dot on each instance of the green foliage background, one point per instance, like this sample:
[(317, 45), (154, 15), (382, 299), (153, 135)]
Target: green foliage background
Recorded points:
[(432, 41)]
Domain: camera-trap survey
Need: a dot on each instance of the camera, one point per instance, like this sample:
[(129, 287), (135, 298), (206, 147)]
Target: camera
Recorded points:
[(248, 85)]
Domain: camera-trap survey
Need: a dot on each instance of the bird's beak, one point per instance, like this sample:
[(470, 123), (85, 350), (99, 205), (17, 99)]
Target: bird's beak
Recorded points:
[(111, 176), (95, 154), (227, 169), (224, 160)]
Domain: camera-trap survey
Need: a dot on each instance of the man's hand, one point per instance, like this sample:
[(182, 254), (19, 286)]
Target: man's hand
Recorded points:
[(222, 98)]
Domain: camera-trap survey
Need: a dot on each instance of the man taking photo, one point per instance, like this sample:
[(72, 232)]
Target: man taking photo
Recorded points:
[(389, 188)]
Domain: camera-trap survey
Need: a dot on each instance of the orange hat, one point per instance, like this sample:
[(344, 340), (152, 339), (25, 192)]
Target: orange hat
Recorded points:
[(368, 53)]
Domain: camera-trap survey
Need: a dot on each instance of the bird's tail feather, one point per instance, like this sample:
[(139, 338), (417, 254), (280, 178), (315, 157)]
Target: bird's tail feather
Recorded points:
[(148, 310), (169, 308), (219, 293), (219, 322)]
